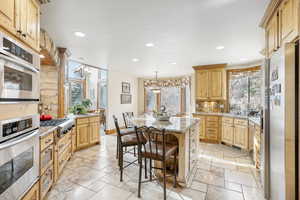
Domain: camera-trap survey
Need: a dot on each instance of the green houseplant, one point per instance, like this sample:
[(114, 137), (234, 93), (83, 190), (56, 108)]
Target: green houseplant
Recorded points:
[(81, 108)]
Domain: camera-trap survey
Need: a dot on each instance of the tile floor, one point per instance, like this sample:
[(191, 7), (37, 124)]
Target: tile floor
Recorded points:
[(223, 173)]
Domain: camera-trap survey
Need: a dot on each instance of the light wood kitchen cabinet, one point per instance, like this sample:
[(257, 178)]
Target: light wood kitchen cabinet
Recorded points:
[(210, 82), (21, 18), (8, 16), (94, 132), (82, 135), (281, 24), (240, 136), (202, 127), (33, 193), (74, 142), (272, 35), (46, 182), (31, 28), (88, 131), (216, 84), (227, 133), (202, 84)]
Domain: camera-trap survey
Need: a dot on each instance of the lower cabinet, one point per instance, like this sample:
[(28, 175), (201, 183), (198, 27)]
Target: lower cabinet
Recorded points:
[(88, 131), (46, 181), (240, 136), (33, 193), (227, 133)]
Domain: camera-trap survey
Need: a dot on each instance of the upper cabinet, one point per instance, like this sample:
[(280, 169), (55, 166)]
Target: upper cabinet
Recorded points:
[(8, 18), (281, 23), (210, 82), (21, 18)]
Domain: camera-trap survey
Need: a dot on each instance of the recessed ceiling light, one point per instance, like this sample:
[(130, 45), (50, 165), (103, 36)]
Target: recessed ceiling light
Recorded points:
[(79, 34), (135, 60), (149, 45), (42, 56), (220, 47), (173, 63)]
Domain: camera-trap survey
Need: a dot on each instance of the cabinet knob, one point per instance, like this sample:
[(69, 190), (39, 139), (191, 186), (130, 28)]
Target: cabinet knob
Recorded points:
[(19, 31), (24, 35)]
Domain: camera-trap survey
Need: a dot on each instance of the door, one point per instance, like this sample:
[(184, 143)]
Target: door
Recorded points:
[(82, 135), (94, 132), (215, 84), (240, 136), (202, 84), (30, 27), (227, 133), (8, 15)]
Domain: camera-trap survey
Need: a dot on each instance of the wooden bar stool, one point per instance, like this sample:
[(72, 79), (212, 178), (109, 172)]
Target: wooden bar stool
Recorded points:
[(155, 149), (124, 140)]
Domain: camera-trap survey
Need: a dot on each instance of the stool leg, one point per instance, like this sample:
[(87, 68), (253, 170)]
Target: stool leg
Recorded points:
[(121, 163), (150, 169), (140, 178), (175, 171), (146, 168), (134, 151), (118, 146), (164, 173)]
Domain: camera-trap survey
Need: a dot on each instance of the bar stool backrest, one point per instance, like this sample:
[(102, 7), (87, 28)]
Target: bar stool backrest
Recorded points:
[(127, 116)]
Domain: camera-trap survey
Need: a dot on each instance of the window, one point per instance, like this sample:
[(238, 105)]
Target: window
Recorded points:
[(175, 99), (245, 91), (86, 82)]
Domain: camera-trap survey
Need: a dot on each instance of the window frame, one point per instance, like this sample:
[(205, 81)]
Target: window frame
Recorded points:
[(248, 69)]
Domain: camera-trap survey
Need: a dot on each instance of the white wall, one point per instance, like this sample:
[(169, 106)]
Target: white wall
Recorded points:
[(115, 79)]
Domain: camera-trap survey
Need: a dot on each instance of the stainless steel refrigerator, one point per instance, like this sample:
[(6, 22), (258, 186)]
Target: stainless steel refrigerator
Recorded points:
[(280, 138)]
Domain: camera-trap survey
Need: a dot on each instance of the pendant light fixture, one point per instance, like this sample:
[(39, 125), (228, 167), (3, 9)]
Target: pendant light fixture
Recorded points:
[(156, 89)]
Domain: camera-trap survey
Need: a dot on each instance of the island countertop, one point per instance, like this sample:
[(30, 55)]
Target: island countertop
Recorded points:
[(175, 124)]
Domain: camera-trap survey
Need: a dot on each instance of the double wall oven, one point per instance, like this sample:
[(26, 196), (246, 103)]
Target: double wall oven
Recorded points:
[(19, 72), (19, 134)]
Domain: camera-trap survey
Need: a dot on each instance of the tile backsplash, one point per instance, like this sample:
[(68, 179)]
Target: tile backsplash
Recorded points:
[(210, 106)]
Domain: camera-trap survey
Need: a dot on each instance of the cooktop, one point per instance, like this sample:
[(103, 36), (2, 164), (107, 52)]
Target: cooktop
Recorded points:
[(53, 122)]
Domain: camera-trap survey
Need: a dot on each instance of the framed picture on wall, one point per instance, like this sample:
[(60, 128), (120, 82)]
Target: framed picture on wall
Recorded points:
[(126, 87), (125, 98)]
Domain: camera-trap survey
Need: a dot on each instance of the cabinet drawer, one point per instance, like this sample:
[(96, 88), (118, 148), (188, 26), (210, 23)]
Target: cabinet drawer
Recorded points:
[(242, 122), (46, 141), (82, 121), (64, 142), (227, 120), (63, 158), (211, 134), (212, 124), (46, 182), (94, 119), (212, 119), (46, 159)]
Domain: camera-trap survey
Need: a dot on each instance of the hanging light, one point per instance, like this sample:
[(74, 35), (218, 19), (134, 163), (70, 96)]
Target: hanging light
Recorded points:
[(155, 89)]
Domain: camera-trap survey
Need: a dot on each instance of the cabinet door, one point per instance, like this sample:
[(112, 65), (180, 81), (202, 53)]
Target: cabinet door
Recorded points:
[(94, 132), (8, 18), (31, 24), (241, 136), (289, 19), (73, 140), (33, 193), (202, 84), (215, 84), (82, 135), (227, 133), (272, 35), (202, 128)]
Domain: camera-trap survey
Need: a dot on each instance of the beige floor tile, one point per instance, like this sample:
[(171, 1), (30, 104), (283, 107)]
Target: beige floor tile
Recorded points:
[(233, 186), (196, 185), (251, 193), (217, 193), (240, 178), (110, 193), (209, 178), (190, 194)]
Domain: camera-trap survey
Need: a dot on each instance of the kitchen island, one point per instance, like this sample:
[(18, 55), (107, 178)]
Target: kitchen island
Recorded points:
[(186, 131)]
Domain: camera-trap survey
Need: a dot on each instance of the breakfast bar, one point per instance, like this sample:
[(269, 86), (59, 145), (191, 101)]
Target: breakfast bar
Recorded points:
[(185, 130)]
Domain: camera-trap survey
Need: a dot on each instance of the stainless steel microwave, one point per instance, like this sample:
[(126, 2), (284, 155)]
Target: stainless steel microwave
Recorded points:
[(19, 72)]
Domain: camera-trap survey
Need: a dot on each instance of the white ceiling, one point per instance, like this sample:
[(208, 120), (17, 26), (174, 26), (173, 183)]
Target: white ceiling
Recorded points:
[(184, 31)]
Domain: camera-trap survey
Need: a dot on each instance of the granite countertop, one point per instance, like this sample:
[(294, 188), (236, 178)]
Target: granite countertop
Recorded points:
[(84, 115), (175, 124), (46, 130), (255, 120)]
